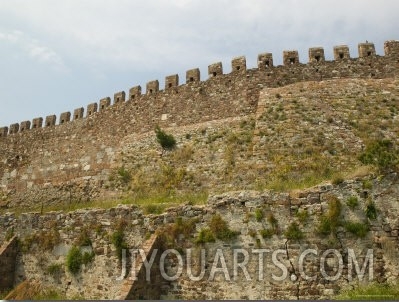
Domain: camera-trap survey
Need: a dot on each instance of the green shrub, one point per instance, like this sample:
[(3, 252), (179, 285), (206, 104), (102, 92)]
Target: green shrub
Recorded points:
[(371, 292), (380, 153), (74, 260), (220, 228), (204, 236), (267, 233), (367, 184), (302, 215), (357, 228), (118, 240), (273, 222), (47, 239), (337, 180), (330, 220), (54, 269), (88, 257), (258, 215), (252, 233), (49, 294), (167, 141), (293, 232), (371, 210), (325, 226), (334, 208), (173, 232), (84, 238), (154, 209), (124, 175), (352, 202)]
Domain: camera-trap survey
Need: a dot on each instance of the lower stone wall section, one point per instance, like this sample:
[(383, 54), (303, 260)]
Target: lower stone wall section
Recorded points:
[(138, 287), (8, 256), (45, 240)]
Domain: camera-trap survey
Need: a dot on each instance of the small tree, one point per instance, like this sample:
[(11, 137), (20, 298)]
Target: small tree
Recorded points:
[(167, 141)]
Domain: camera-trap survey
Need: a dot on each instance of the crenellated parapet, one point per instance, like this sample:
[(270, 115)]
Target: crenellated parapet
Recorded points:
[(341, 52), (291, 70), (25, 125), (239, 64), (171, 81), (152, 87), (104, 103), (37, 122), (265, 61), (50, 120), (78, 113), (134, 92), (3, 131), (65, 117), (193, 75), (215, 69), (91, 109), (391, 48), (290, 57), (366, 50), (119, 97), (14, 128), (316, 55)]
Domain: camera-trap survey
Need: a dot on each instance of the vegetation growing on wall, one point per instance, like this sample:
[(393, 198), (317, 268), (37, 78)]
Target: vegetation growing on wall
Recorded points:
[(74, 260), (381, 153), (372, 291), (118, 239), (167, 141)]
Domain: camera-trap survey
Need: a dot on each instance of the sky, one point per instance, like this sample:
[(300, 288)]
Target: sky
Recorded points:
[(56, 56)]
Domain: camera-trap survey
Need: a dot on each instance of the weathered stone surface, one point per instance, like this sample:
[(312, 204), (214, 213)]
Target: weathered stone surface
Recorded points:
[(238, 209)]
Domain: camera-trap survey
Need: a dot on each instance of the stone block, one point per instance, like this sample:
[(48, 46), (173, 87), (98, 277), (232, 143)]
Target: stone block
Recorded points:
[(14, 128), (119, 97), (104, 103), (65, 117), (290, 57), (50, 120), (171, 81), (341, 52), (78, 113), (37, 122), (134, 92), (25, 125), (265, 61), (152, 87), (366, 50), (3, 131), (91, 109), (239, 64), (316, 55), (215, 69), (391, 48), (193, 75)]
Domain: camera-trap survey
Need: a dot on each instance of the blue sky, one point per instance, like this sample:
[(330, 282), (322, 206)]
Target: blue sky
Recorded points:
[(56, 56)]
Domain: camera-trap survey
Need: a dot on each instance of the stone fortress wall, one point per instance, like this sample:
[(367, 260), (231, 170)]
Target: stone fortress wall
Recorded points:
[(79, 152), (44, 240), (238, 65)]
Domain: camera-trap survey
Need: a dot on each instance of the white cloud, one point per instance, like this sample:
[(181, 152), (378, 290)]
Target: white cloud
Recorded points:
[(33, 49)]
